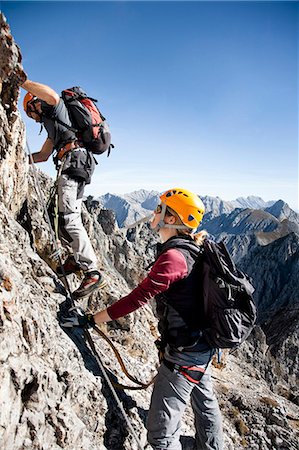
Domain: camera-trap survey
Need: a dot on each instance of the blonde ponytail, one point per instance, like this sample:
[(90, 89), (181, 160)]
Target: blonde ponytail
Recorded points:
[(198, 238)]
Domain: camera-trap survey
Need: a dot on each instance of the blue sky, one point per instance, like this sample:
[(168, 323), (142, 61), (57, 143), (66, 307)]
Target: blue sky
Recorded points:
[(201, 95)]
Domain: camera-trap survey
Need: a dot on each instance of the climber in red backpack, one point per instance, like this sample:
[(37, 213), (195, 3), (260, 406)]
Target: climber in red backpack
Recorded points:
[(76, 166)]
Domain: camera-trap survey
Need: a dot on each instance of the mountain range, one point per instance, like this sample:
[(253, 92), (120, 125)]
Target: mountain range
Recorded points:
[(129, 208)]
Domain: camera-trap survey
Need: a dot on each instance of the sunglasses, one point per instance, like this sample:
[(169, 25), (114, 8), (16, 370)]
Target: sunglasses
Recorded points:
[(158, 209), (31, 108)]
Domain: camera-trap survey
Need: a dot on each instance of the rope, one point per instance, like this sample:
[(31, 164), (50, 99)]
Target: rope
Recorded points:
[(117, 385), (121, 363), (86, 332)]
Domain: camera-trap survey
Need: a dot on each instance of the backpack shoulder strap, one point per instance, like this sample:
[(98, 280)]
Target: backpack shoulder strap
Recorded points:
[(221, 265), (55, 119), (64, 124), (217, 256), (185, 245)]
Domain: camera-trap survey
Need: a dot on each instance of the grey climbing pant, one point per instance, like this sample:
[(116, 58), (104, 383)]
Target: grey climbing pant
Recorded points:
[(71, 228), (170, 395)]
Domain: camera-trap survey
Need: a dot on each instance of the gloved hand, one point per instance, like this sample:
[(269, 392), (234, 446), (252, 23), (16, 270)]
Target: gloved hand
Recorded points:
[(77, 318)]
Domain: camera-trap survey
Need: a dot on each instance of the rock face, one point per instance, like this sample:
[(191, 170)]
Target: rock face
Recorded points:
[(52, 391), (39, 390), (13, 165), (277, 294), (282, 211)]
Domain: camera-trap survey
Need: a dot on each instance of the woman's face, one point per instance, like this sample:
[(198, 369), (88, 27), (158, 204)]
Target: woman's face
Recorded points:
[(157, 217), (164, 232), (168, 218)]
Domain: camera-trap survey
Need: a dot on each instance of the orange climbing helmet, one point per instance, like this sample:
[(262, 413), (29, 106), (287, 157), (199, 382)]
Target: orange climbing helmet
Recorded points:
[(29, 98), (188, 206)]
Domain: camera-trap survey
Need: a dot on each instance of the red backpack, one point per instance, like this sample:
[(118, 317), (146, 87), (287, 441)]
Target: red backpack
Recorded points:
[(88, 123)]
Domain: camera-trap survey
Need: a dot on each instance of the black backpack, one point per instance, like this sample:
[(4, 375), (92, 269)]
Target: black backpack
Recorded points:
[(88, 123), (227, 312), (228, 306)]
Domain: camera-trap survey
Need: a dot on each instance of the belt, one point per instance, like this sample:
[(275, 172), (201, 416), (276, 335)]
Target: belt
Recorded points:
[(67, 148)]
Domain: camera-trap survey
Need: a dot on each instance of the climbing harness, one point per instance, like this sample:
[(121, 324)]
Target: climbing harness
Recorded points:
[(193, 373), (85, 331)]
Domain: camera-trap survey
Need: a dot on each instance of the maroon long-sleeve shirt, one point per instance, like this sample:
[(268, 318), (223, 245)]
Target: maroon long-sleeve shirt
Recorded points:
[(171, 266)]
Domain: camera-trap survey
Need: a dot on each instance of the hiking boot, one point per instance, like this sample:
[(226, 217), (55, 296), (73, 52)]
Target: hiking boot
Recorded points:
[(69, 266), (92, 280)]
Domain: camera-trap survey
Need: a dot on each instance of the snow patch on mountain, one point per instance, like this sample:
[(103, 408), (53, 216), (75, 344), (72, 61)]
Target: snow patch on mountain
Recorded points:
[(252, 202)]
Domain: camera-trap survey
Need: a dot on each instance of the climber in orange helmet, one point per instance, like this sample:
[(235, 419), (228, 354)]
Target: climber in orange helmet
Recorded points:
[(42, 104), (184, 372)]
